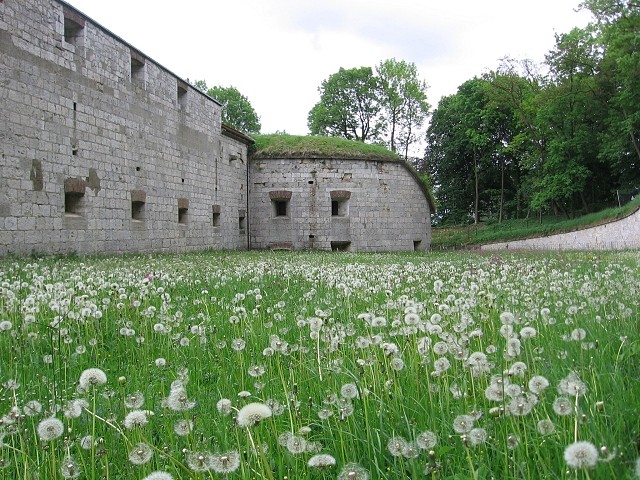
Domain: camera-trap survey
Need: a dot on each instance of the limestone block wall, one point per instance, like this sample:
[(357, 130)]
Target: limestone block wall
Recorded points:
[(619, 234), (104, 150), (342, 204)]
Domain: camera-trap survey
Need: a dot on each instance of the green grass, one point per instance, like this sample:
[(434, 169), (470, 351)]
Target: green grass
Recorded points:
[(353, 353), (445, 238), (285, 146)]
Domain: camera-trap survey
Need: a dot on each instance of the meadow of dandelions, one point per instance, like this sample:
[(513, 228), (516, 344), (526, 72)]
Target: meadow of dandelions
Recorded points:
[(320, 366)]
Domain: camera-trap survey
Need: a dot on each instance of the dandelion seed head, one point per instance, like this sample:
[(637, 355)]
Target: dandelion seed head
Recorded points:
[(135, 400), (253, 413), (92, 377), (135, 419), (183, 427), (87, 442), (353, 471), (426, 440), (140, 454), (463, 423), (32, 408), (562, 406), (224, 406), (396, 445), (537, 384), (321, 461), (199, 461), (50, 429), (296, 444), (227, 462), (159, 475), (581, 454), (70, 468), (349, 390), (546, 427)]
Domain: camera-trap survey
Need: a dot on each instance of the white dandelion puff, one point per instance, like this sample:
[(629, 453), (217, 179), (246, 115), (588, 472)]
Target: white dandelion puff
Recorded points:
[(140, 454), (92, 377), (159, 475), (321, 461), (396, 445), (224, 406), (581, 455), (253, 413), (50, 429), (426, 440), (227, 462)]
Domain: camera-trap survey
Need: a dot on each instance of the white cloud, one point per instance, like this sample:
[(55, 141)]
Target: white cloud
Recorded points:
[(277, 52)]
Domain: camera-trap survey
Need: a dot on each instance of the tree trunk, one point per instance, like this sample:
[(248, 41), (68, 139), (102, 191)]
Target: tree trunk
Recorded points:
[(476, 216), (501, 192)]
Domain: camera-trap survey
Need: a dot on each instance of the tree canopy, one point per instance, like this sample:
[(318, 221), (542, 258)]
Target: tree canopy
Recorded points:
[(388, 106), (516, 141), (237, 111)]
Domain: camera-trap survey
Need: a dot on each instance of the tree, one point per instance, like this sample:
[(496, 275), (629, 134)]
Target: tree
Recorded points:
[(569, 110), (618, 26), (403, 99), (237, 111), (348, 106)]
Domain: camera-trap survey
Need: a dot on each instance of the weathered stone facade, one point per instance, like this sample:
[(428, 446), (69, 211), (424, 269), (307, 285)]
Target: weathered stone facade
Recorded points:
[(104, 150), (337, 203)]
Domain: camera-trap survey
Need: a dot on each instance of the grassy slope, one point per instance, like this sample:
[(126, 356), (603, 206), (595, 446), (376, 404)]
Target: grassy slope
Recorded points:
[(458, 237), (283, 145)]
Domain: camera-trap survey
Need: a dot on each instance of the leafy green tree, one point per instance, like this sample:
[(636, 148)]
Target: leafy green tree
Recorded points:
[(237, 111), (403, 99), (459, 157), (512, 90), (618, 26), (348, 106), (570, 112)]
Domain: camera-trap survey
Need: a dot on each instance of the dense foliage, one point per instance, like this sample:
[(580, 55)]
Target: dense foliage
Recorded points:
[(516, 141), (388, 106), (237, 111)]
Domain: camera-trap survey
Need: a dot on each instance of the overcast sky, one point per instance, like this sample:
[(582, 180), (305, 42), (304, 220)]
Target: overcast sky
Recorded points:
[(277, 52)]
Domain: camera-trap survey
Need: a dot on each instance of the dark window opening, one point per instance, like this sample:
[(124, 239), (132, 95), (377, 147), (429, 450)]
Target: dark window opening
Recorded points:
[(73, 27), (183, 215), (339, 208), (281, 208), (216, 215), (340, 246), (241, 223), (182, 94), (137, 68), (73, 203), (310, 182), (417, 245), (137, 210)]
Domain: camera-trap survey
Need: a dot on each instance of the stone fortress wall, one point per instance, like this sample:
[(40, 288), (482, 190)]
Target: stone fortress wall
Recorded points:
[(339, 204), (104, 150), (614, 235)]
